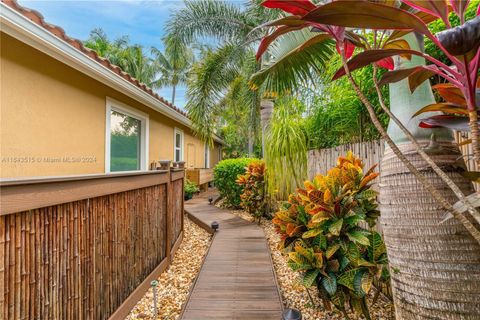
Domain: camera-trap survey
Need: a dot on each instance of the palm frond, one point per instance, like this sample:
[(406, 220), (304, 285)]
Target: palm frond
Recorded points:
[(210, 77), (209, 18), (293, 59)]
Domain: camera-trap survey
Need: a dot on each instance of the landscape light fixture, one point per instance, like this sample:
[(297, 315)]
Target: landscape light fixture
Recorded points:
[(291, 314), (154, 285), (210, 200), (215, 226)]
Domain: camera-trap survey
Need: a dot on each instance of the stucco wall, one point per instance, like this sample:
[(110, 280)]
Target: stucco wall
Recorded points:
[(53, 118)]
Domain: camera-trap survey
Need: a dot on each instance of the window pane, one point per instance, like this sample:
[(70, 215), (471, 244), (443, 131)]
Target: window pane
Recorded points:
[(125, 133), (177, 155), (178, 140)]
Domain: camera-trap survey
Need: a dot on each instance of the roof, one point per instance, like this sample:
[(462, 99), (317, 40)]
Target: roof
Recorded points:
[(38, 19)]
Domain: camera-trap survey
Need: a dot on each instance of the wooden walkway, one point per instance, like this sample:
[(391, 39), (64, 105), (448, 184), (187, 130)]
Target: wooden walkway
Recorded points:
[(237, 280)]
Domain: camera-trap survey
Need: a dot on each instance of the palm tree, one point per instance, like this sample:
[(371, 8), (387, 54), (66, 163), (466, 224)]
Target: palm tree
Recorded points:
[(173, 65), (111, 50), (233, 60), (130, 58), (140, 66), (436, 264)]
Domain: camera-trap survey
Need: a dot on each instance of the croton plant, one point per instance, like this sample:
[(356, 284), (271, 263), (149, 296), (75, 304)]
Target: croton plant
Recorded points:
[(324, 228), (345, 22), (253, 182)]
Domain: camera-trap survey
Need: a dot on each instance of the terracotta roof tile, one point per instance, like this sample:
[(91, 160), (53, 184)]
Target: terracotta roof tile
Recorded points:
[(38, 18)]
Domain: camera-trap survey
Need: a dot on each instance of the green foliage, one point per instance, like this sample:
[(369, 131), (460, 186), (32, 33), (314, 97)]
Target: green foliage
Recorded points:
[(286, 148), (253, 183), (337, 116), (190, 188), (130, 58), (321, 227), (225, 174), (225, 71)]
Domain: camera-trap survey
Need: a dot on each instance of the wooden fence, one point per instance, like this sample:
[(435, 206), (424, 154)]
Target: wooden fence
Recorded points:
[(319, 161), (87, 247)]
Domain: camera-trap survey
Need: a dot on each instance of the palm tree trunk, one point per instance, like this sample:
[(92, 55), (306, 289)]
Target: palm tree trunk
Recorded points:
[(435, 268), (266, 112), (250, 144), (173, 94)]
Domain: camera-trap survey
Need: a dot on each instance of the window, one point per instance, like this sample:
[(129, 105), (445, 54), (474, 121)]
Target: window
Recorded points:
[(178, 145), (207, 156), (126, 138)]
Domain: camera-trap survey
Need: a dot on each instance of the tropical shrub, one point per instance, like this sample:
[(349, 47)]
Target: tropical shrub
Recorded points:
[(190, 189), (321, 226), (225, 175), (253, 183)]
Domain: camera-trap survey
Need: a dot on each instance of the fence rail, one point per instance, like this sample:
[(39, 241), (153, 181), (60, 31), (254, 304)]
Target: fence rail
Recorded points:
[(86, 247)]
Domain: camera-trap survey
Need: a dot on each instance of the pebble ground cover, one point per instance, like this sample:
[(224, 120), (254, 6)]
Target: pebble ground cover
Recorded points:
[(175, 283)]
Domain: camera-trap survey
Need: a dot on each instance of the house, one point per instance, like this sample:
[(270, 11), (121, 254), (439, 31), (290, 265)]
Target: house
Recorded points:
[(67, 111), (85, 225)]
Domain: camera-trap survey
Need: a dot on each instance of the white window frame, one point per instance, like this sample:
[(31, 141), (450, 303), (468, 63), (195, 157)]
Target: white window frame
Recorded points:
[(206, 155), (182, 140), (114, 105)]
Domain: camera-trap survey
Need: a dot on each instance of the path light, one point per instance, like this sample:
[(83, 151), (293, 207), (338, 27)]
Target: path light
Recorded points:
[(154, 284), (215, 225), (210, 200), (291, 314)]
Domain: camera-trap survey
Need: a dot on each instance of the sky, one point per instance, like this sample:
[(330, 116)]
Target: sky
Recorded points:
[(143, 21)]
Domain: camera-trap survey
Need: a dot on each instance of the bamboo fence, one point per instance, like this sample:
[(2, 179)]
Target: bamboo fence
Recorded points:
[(84, 258)]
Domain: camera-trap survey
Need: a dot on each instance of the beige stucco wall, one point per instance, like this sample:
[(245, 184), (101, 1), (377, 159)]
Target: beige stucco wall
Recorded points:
[(53, 118)]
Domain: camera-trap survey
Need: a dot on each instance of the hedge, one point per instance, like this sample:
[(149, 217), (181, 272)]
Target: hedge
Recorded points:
[(225, 173)]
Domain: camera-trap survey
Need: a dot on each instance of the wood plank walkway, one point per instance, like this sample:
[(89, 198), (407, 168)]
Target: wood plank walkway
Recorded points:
[(237, 280)]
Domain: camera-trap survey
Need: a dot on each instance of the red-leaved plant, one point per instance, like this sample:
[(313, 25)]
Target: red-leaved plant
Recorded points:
[(389, 23), (460, 45)]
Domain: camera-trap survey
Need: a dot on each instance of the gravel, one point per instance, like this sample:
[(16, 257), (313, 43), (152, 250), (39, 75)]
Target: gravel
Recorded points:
[(174, 284), (295, 295)]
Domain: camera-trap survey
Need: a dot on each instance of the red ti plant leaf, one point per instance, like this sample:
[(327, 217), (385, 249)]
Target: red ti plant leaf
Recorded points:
[(421, 75), (292, 21), (266, 41), (370, 56), (317, 39), (398, 44), (425, 17), (348, 48), (397, 75), (299, 7), (364, 14), (443, 107), (386, 63), (451, 93), (446, 121), (459, 6), (437, 8)]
